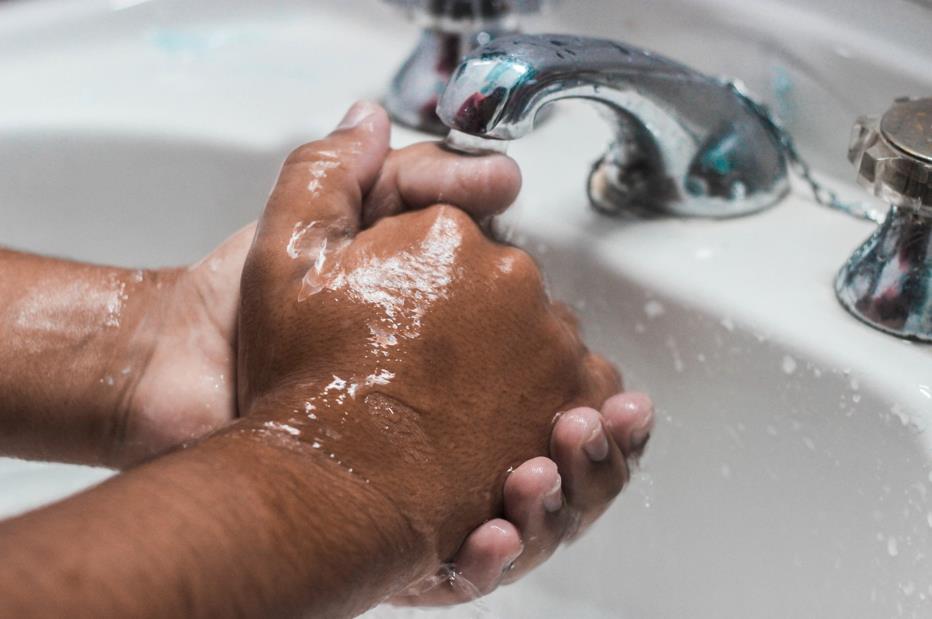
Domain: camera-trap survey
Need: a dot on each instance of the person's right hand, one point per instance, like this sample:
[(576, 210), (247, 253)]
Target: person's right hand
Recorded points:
[(423, 358)]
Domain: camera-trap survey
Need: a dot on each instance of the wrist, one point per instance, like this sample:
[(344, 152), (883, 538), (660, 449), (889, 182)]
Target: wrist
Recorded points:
[(346, 544), (142, 325)]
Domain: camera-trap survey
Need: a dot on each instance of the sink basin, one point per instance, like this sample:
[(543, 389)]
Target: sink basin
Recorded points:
[(791, 469)]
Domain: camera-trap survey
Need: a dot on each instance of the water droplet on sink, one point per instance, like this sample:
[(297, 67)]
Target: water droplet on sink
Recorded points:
[(789, 365), (678, 364), (926, 390), (903, 417), (892, 548), (728, 323), (653, 309), (808, 442)]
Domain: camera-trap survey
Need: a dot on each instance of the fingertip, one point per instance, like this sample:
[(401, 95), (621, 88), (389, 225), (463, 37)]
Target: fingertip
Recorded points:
[(630, 417), (575, 426), (487, 185), (499, 534), (504, 180), (366, 115), (537, 480), (488, 553)]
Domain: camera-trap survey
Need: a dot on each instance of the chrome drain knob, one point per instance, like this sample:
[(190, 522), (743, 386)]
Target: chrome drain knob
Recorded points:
[(887, 283), (451, 30)]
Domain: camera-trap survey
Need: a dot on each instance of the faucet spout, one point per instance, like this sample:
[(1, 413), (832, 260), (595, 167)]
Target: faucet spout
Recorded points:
[(685, 143)]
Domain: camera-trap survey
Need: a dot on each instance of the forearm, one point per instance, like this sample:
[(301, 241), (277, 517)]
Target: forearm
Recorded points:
[(74, 339), (244, 524)]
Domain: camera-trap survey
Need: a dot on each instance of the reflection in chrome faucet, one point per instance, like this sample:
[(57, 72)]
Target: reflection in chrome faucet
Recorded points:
[(685, 143)]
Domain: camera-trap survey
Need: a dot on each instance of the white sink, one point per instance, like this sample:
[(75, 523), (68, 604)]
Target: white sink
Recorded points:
[(791, 470)]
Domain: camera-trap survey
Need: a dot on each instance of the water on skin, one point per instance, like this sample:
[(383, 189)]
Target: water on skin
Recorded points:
[(474, 145), (44, 322), (476, 608), (400, 287)]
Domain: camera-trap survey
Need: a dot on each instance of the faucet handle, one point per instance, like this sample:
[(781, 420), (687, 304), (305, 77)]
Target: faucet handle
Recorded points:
[(886, 282), (893, 153)]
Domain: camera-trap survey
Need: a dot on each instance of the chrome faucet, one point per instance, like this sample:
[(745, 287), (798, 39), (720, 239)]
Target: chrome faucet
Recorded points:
[(887, 283), (450, 30), (684, 143)]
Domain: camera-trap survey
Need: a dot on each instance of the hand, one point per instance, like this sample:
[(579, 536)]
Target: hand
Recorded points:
[(547, 502), (196, 354), (187, 387), (419, 355)]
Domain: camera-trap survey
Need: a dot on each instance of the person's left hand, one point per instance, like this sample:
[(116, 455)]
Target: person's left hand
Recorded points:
[(187, 388)]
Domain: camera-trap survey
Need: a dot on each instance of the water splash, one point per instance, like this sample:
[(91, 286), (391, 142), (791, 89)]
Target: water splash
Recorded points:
[(459, 585), (892, 546)]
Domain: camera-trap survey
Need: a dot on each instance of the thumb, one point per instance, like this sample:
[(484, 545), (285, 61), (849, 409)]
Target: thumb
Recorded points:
[(322, 184)]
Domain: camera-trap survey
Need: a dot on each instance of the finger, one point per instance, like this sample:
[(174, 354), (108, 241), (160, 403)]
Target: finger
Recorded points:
[(629, 419), (534, 504), (320, 189), (485, 556), (566, 314), (591, 465), (426, 174), (602, 379)]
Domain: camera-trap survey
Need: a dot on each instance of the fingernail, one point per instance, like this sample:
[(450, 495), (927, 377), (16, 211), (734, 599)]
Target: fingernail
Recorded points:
[(553, 500), (360, 111), (596, 446), (639, 438), (509, 563)]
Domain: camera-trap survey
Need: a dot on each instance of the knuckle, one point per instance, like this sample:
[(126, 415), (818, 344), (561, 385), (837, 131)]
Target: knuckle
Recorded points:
[(306, 153), (458, 218), (566, 314), (605, 374), (521, 268)]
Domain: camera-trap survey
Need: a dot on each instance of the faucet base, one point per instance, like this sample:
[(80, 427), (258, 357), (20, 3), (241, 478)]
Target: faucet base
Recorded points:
[(631, 180), (887, 283)]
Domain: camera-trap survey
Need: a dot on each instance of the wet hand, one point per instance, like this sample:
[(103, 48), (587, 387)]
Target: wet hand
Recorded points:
[(419, 355), (187, 387), (548, 501), (544, 498)]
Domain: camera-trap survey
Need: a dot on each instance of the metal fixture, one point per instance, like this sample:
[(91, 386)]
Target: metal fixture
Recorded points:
[(451, 29), (685, 144), (887, 283)]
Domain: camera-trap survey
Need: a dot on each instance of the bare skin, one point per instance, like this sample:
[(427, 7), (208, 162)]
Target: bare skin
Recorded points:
[(181, 352)]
